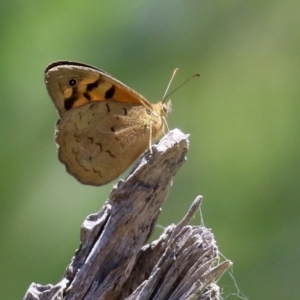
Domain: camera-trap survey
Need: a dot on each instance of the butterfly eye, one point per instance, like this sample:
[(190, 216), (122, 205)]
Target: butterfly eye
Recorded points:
[(72, 82), (165, 109)]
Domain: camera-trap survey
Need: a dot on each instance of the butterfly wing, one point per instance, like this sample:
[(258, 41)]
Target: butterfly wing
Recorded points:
[(99, 140), (72, 84), (104, 125)]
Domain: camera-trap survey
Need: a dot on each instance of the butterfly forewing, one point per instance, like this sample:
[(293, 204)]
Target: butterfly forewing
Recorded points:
[(72, 85)]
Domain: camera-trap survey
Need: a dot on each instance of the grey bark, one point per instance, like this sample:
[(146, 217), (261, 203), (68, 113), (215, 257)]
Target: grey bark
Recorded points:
[(113, 262)]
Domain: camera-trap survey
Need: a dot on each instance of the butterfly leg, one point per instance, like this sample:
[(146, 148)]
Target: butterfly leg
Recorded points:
[(150, 137)]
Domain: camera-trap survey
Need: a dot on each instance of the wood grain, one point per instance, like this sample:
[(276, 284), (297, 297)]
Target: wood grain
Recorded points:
[(113, 262)]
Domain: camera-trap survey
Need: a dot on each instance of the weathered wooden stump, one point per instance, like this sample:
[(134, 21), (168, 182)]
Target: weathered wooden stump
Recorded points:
[(113, 262)]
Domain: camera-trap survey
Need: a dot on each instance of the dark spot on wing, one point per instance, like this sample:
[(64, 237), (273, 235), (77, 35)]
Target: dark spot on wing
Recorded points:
[(92, 106), (111, 155), (108, 108), (97, 171), (87, 96), (70, 101), (125, 111), (118, 140), (110, 92), (100, 146), (112, 129), (93, 85), (72, 82)]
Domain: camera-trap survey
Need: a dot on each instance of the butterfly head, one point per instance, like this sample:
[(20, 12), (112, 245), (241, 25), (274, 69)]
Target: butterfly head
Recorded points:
[(166, 108), (159, 114)]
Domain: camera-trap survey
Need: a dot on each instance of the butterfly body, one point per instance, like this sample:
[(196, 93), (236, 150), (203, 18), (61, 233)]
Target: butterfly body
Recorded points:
[(104, 125)]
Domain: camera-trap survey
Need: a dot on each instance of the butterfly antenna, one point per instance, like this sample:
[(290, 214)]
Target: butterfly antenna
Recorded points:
[(195, 75), (173, 75)]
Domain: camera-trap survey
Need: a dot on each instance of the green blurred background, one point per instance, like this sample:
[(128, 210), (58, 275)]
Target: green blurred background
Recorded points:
[(242, 114)]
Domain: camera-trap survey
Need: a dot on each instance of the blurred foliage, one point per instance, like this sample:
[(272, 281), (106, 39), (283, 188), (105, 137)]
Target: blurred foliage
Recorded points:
[(242, 114)]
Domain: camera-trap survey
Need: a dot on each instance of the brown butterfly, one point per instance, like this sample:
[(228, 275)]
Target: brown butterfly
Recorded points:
[(104, 125)]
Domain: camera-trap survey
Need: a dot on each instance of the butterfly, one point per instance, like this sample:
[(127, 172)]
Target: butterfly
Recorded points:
[(104, 125)]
